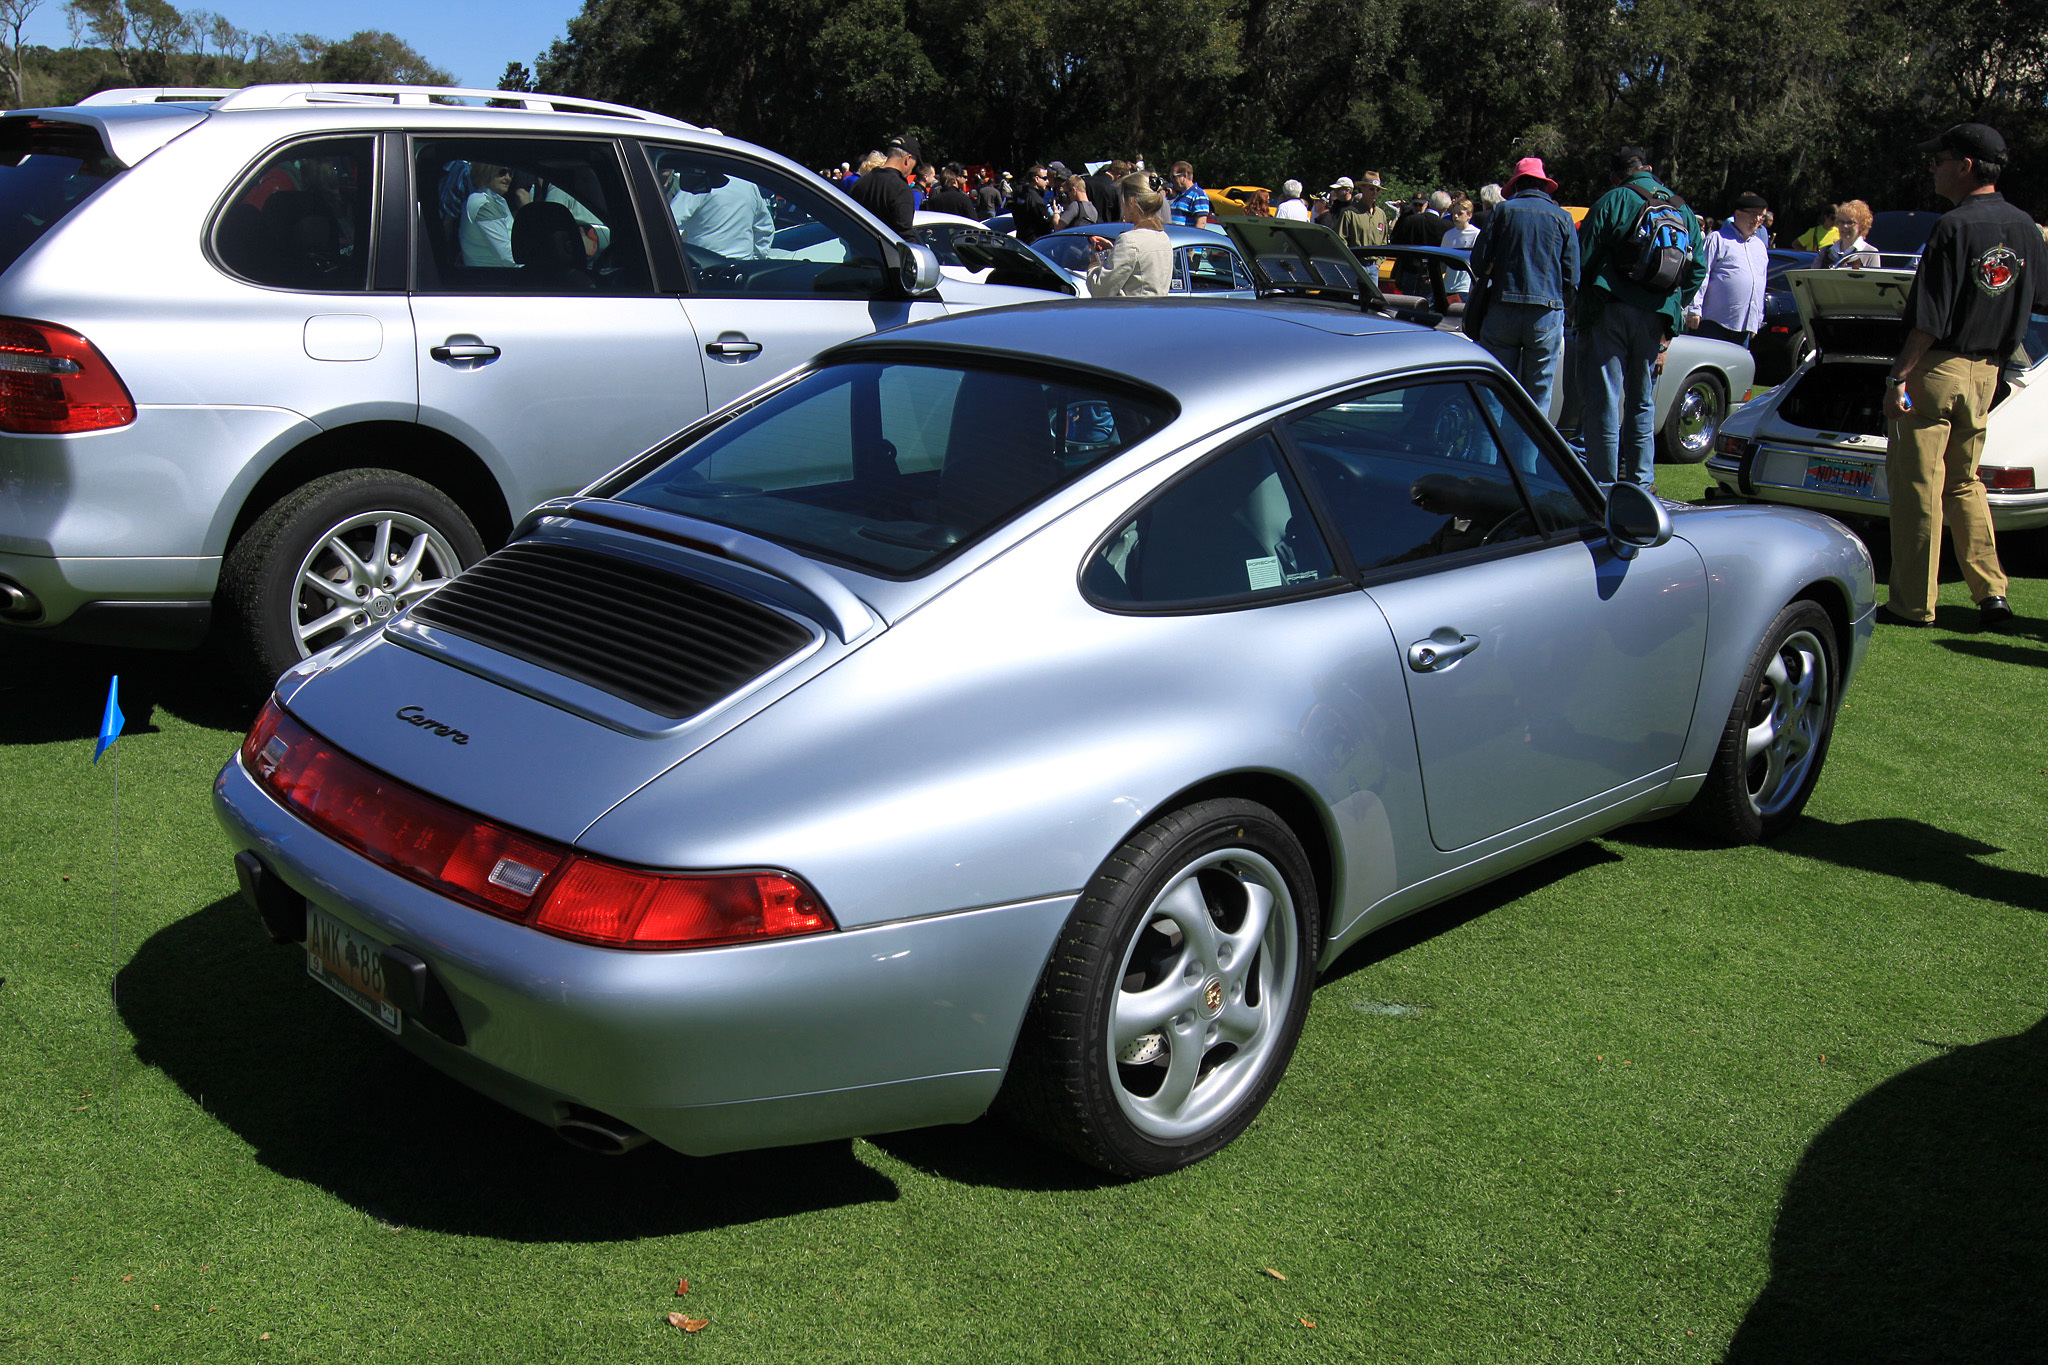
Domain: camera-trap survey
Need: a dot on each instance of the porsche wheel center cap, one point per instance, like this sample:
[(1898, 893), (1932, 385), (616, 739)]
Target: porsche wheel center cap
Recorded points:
[(381, 607), (1212, 996)]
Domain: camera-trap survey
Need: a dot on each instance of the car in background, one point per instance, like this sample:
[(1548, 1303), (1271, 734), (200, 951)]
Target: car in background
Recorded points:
[(1206, 263), (302, 352), (1703, 379), (1017, 710), (1818, 440), (1780, 344), (1233, 200), (938, 231), (1900, 235)]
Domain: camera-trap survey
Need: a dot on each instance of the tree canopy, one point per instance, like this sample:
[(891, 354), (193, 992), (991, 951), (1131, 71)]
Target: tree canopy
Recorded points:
[(1808, 101)]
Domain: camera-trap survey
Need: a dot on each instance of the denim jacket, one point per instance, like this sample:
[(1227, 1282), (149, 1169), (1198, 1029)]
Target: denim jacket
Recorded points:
[(1528, 251)]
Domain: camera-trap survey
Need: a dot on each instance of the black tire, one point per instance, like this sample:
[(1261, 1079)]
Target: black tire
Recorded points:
[(265, 604), (1690, 428), (1788, 698), (1123, 948)]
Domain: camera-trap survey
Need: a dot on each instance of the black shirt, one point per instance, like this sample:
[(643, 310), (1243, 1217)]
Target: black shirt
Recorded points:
[(1420, 229), (1029, 217), (885, 193), (1107, 196), (1983, 272), (954, 202)]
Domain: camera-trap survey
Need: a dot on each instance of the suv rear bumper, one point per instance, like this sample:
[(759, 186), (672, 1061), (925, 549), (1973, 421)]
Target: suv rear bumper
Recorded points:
[(150, 603)]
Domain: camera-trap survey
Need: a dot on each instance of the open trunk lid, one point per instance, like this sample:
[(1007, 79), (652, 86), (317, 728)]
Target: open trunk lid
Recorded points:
[(1853, 314)]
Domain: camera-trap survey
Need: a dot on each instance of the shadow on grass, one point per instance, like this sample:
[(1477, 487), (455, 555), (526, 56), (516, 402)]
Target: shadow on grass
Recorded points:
[(1424, 925), (1892, 846), (1912, 1228), (54, 692), (990, 1152), (2003, 651), (322, 1097)]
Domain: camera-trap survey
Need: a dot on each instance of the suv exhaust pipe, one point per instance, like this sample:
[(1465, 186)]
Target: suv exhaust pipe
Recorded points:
[(599, 1133), (18, 603)]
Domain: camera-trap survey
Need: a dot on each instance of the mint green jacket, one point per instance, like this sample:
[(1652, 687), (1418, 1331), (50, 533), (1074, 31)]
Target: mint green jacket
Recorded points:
[(1607, 226)]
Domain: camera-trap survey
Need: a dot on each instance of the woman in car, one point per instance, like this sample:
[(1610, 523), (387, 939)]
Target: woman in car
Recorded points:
[(1850, 249), (1139, 263), (486, 233)]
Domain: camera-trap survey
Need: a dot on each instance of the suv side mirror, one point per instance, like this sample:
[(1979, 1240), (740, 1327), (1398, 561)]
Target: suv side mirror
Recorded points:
[(1636, 520), (920, 269)]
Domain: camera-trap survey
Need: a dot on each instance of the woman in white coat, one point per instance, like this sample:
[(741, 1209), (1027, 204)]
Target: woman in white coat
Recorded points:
[(1139, 263)]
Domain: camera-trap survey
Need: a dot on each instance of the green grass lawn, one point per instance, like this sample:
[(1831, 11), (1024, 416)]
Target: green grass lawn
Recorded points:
[(1647, 1101)]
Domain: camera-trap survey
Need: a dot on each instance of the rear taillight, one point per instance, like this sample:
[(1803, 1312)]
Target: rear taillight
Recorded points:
[(2006, 480), (483, 864), (53, 380), (1738, 446)]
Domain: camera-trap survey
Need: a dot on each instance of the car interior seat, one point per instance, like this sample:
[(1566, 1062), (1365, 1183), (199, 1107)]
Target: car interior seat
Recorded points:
[(999, 451), (548, 241), (302, 240)]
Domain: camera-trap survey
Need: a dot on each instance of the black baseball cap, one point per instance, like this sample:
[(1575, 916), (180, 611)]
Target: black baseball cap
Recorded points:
[(1973, 140), (906, 142)]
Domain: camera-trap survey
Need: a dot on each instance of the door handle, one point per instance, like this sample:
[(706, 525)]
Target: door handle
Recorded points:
[(464, 351), (1443, 648), (733, 348)]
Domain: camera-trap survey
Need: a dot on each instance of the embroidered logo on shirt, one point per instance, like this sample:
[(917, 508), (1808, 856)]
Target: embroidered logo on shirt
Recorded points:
[(1996, 270)]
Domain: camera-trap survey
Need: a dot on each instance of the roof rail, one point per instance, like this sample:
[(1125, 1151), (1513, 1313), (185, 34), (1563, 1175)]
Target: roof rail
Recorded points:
[(159, 94), (295, 96)]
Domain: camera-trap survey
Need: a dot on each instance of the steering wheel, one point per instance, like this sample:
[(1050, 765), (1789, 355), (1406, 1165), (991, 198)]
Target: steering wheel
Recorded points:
[(1513, 526)]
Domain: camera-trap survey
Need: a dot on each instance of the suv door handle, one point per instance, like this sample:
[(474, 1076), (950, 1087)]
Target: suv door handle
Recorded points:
[(1443, 648), (733, 348), (464, 351)]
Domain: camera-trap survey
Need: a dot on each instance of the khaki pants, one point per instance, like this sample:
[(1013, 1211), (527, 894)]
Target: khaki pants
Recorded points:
[(1932, 469)]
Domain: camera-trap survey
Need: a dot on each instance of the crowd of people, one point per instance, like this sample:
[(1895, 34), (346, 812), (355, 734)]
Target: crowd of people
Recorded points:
[(1639, 269)]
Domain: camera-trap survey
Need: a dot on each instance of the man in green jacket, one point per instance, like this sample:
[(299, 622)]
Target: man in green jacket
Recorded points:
[(1625, 325)]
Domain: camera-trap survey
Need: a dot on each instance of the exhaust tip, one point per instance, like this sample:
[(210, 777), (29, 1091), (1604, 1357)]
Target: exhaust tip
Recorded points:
[(598, 1133), (18, 603)]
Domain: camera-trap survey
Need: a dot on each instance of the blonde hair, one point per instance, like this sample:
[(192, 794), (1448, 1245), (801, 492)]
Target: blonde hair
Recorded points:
[(1137, 191), (1461, 204), (1858, 211), (482, 173)]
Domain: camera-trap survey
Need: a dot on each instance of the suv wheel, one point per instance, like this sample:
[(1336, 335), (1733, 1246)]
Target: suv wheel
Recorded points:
[(339, 555)]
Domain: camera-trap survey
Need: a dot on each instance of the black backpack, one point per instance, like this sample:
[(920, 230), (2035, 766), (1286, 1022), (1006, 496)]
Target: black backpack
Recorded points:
[(1659, 247)]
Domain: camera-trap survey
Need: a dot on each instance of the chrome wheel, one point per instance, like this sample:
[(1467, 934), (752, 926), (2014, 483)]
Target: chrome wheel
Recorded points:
[(1695, 419), (364, 570), (1203, 995), (1787, 719)]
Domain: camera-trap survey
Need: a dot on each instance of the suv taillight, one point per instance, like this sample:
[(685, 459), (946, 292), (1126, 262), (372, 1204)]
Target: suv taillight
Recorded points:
[(53, 380), (548, 886)]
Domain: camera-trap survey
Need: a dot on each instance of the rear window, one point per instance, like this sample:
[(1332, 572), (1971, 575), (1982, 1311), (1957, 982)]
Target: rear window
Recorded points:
[(891, 466), (46, 170)]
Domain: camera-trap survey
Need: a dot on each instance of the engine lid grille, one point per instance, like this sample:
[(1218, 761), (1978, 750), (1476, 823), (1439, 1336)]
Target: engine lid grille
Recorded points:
[(665, 643)]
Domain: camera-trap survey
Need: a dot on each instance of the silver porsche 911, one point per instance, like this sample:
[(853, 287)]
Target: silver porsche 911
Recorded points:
[(1019, 709)]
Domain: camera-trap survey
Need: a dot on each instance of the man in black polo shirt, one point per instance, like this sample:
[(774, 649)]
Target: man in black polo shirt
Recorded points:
[(1983, 273), (885, 190)]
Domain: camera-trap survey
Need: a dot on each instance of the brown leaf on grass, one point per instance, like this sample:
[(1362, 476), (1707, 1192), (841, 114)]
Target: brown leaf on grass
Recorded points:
[(682, 1288), (264, 1337), (1306, 1323), (687, 1323), (126, 1278), (1274, 1273)]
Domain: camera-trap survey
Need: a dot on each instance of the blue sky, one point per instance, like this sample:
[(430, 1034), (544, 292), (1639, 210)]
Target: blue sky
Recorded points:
[(472, 38)]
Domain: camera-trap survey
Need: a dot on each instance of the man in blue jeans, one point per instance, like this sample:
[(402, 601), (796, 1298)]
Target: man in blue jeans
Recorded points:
[(1624, 326), (1525, 270)]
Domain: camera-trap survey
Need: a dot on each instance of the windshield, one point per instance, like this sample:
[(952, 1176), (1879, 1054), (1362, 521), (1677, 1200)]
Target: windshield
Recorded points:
[(46, 170), (1073, 253), (892, 466)]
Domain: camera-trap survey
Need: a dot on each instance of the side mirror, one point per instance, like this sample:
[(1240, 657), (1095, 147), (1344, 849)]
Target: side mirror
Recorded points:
[(920, 269), (1636, 520)]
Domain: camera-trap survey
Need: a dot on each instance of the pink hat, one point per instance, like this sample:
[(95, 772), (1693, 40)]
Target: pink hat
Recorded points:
[(1531, 168)]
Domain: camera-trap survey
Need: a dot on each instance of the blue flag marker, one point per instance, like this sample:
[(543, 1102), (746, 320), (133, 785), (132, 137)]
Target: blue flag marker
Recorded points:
[(112, 721)]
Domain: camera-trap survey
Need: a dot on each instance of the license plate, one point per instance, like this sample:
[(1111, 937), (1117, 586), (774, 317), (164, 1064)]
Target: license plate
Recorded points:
[(1850, 478), (350, 965)]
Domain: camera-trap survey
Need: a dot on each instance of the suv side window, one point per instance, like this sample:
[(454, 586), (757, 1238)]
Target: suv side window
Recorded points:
[(1413, 473), (749, 230), (301, 219), (1235, 528), (525, 216)]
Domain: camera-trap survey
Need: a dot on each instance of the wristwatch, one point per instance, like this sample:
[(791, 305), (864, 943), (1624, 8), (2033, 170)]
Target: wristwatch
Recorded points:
[(1895, 379)]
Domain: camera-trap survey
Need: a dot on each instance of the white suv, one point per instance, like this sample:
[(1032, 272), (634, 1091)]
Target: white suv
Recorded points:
[(302, 352)]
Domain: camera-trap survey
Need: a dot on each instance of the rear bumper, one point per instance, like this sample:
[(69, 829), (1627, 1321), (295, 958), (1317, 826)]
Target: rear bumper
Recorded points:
[(1777, 474), (891, 1026), (161, 602)]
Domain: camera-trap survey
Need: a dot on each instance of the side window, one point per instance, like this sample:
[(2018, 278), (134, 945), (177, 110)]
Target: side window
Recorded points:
[(1236, 527), (524, 216), (1209, 270), (1553, 498), (301, 220), (746, 229), (1412, 473)]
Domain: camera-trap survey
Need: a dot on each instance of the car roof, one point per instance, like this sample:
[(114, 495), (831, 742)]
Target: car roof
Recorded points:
[(932, 217), (1214, 357), (1177, 233)]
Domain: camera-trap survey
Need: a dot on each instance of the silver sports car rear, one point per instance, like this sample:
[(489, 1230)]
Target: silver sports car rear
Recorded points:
[(1023, 705)]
